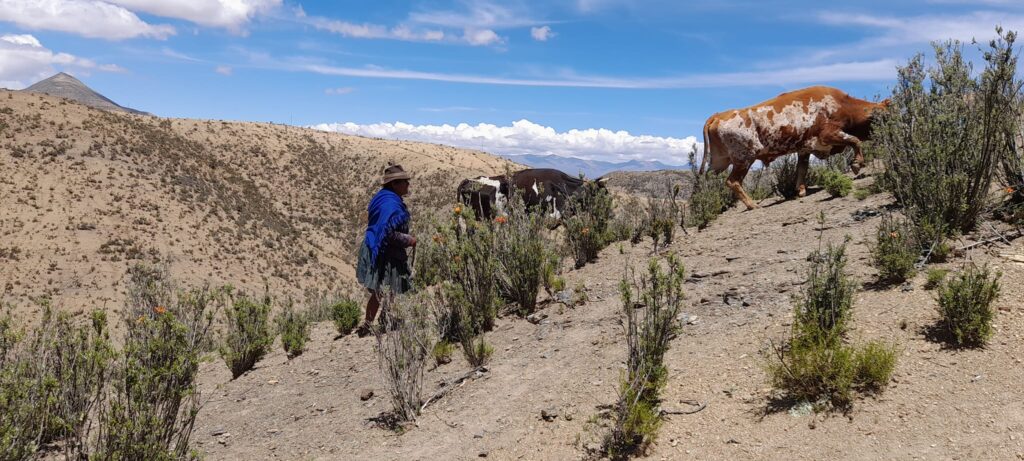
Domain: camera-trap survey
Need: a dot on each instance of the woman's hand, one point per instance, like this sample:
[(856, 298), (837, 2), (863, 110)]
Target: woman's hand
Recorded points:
[(412, 241)]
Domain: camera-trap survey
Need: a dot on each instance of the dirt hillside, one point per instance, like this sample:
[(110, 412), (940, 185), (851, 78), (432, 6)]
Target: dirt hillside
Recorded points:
[(84, 193), (744, 269)]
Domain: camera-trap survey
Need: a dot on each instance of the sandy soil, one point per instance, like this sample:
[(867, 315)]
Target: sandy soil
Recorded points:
[(942, 404)]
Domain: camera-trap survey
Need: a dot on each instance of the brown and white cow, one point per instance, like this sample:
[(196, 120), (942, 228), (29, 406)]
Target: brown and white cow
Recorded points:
[(818, 120), (545, 189)]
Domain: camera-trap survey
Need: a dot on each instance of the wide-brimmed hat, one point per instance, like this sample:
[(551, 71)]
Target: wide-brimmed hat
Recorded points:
[(394, 173)]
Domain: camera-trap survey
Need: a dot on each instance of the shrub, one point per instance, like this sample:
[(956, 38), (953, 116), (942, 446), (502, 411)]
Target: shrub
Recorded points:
[(824, 308), (815, 364), (709, 197), (662, 216), (550, 274), (935, 278), (862, 193), (637, 412), (944, 131), (248, 337), (965, 305), (836, 183), (520, 251), (155, 397), (587, 229), (873, 365), (294, 329), (442, 352), (630, 221), (784, 175), (895, 251), (402, 346), (345, 314)]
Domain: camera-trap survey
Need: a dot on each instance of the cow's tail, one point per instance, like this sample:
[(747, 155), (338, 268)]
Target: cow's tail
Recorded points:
[(707, 150)]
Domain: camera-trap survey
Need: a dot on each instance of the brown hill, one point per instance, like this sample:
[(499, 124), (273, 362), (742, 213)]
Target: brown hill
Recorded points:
[(85, 193)]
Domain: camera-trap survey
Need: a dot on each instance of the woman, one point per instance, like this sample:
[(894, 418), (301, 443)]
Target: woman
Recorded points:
[(383, 262)]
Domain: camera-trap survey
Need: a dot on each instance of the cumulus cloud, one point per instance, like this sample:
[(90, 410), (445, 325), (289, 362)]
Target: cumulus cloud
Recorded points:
[(223, 70), (232, 15), (24, 60), (541, 34), (481, 37), (339, 91), (526, 137), (88, 18)]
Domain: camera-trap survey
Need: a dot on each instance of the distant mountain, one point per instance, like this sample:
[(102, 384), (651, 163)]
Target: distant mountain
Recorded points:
[(65, 86), (590, 168)]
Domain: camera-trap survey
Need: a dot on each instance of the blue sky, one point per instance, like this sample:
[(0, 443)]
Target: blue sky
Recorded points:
[(602, 79)]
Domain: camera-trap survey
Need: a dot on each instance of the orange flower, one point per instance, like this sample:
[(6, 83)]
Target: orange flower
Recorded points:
[(1010, 190), (501, 220), (438, 238), (140, 319), (585, 231), (894, 234), (458, 209), (159, 310)]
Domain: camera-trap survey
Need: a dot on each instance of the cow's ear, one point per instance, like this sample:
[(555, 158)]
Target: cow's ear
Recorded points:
[(602, 181)]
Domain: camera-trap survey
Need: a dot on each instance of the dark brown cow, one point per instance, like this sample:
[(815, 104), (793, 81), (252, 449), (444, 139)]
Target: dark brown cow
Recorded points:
[(818, 120), (541, 188)]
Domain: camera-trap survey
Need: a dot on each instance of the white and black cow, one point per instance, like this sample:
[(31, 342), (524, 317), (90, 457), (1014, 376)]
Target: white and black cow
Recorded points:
[(545, 189)]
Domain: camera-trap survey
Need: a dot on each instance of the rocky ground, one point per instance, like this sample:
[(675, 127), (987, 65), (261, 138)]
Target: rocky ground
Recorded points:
[(542, 395)]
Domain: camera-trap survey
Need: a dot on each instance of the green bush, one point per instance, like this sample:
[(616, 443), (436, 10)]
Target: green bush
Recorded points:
[(630, 221), (945, 130), (442, 352), (784, 176), (895, 251), (836, 183), (248, 337), (662, 216), (587, 225), (345, 314), (965, 305), (51, 382), (637, 412), (935, 278), (815, 363), (155, 398), (520, 251), (294, 329), (861, 193), (709, 197), (873, 365)]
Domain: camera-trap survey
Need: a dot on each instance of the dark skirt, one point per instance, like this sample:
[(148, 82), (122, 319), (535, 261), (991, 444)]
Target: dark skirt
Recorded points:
[(386, 273)]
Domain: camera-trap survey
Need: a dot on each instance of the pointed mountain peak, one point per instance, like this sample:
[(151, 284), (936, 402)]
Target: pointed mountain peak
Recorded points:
[(67, 86)]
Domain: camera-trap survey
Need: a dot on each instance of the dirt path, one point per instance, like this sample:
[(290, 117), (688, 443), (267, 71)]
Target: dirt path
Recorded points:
[(744, 269)]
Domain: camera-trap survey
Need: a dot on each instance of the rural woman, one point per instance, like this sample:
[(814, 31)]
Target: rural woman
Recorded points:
[(383, 262)]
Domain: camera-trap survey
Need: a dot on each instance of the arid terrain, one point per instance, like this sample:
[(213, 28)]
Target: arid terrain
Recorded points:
[(85, 193), (744, 269)]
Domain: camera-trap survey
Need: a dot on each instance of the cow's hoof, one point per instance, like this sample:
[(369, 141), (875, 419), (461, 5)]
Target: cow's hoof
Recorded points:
[(801, 194), (752, 208)]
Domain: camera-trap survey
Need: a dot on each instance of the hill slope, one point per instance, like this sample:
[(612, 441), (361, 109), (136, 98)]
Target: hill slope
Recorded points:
[(744, 269), (85, 193)]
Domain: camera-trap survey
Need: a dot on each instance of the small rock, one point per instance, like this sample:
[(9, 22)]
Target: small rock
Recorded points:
[(218, 431), (483, 454), (273, 431), (568, 417), (273, 381), (536, 317), (733, 442), (549, 414), (367, 394), (479, 435)]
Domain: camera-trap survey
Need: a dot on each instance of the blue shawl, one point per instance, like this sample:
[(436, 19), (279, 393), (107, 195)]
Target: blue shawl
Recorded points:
[(386, 213)]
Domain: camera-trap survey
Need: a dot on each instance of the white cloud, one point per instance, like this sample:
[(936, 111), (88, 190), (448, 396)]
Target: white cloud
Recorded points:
[(526, 137), (926, 28), (223, 70), (541, 34), (367, 30), (481, 37), (479, 14), (339, 91), (232, 15), (88, 18), (23, 61), (879, 70)]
